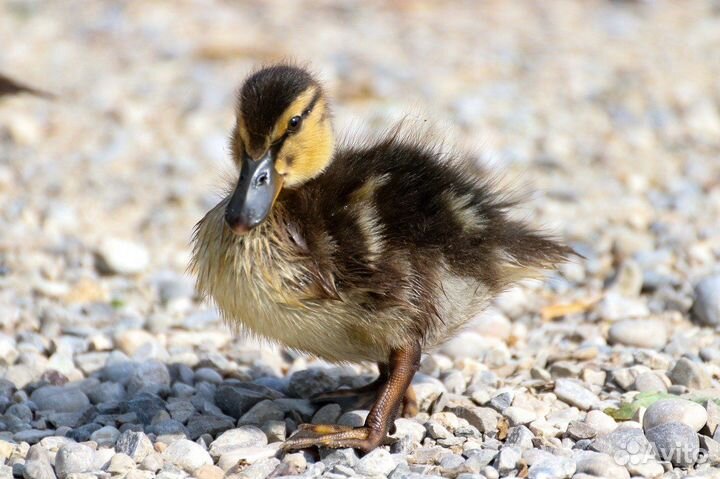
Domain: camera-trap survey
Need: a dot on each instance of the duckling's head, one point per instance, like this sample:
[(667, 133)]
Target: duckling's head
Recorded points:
[(282, 138)]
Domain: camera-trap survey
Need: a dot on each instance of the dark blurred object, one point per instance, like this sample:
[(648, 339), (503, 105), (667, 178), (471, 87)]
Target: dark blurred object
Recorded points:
[(8, 86)]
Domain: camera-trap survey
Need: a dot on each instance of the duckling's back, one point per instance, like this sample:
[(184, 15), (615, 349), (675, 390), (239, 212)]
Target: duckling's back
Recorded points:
[(397, 227)]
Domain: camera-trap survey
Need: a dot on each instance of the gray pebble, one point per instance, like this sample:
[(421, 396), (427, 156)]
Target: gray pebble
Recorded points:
[(650, 382), (311, 382), (328, 414), (37, 464), (353, 418), (242, 437), (378, 462), (675, 410), (59, 399), (639, 333), (235, 400), (212, 424), (507, 460), (484, 419), (706, 308), (119, 256), (575, 394), (675, 442), (105, 436), (521, 437), (596, 464), (134, 444), (73, 458), (346, 457), (262, 412), (690, 374), (187, 455)]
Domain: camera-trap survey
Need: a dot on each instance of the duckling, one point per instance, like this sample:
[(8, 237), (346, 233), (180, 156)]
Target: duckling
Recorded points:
[(368, 252)]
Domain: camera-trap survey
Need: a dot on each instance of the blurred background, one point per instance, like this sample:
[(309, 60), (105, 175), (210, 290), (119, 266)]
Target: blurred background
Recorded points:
[(608, 110)]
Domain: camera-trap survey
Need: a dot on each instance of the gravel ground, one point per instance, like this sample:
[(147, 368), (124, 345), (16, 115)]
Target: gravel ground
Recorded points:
[(111, 367)]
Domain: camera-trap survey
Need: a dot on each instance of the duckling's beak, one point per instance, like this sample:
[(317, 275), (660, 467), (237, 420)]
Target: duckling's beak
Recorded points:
[(254, 195)]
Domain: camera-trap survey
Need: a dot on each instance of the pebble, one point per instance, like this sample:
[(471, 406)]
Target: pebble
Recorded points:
[(675, 410), (311, 382), (262, 412), (600, 422), (37, 464), (187, 455), (706, 308), (650, 382), (485, 419), (518, 415), (639, 333), (134, 444), (575, 394), (235, 400), (120, 256), (675, 442), (378, 462), (59, 399), (690, 374), (507, 460), (596, 464), (105, 436), (242, 437), (73, 458)]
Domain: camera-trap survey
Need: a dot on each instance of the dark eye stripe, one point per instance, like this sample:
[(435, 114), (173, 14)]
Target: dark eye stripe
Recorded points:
[(312, 103)]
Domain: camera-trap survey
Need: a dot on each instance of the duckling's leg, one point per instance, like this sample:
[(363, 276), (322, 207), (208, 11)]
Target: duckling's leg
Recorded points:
[(402, 367), (363, 396)]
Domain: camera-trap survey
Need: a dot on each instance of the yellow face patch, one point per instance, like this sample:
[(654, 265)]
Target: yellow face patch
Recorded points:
[(307, 152)]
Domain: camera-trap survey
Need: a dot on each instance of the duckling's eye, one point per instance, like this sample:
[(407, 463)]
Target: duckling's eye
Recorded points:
[(294, 123)]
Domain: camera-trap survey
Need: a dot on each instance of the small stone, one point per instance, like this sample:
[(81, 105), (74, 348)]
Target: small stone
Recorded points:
[(706, 308), (507, 460), (242, 437), (378, 462), (187, 455), (575, 394), (649, 382), (675, 410), (711, 448), (105, 436), (517, 415), (235, 400), (311, 382), (118, 256), (260, 469), (713, 413), (485, 419), (354, 418), (130, 341), (120, 463), (345, 457), (101, 459), (436, 430), (521, 437), (675, 442), (596, 464), (600, 422), (580, 430), (246, 455), (627, 442), (59, 399), (37, 464), (328, 414), (149, 377), (690, 374), (209, 471), (275, 430), (501, 401), (262, 412), (73, 458), (211, 424), (134, 444), (153, 462)]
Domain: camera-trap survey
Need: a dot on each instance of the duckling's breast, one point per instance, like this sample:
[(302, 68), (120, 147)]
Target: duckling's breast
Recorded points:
[(261, 285)]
